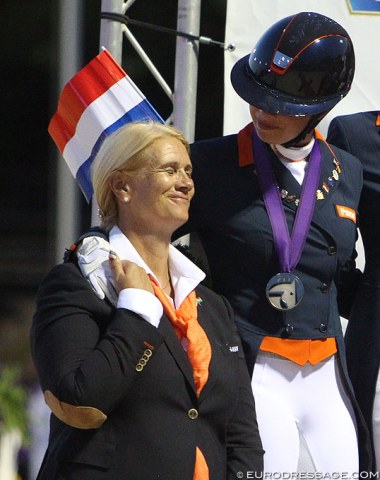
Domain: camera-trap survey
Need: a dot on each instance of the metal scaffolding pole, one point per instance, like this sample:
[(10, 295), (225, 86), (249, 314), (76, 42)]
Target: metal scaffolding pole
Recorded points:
[(111, 38), (111, 35), (186, 68), (186, 73), (186, 60), (67, 192)]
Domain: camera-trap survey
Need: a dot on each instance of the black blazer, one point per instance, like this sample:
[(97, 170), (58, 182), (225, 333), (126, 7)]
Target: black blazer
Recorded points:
[(359, 135), (86, 353), (229, 215)]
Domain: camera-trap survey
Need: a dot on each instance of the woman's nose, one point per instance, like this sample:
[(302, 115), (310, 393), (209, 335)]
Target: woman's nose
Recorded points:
[(184, 180)]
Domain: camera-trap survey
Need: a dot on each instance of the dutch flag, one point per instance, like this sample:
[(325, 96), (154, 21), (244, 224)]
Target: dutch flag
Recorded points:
[(98, 100)]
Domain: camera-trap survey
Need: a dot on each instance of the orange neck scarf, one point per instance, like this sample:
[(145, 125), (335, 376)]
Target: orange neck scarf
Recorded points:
[(185, 323)]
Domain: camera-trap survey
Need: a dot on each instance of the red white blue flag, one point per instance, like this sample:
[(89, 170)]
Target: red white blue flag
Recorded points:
[(98, 100)]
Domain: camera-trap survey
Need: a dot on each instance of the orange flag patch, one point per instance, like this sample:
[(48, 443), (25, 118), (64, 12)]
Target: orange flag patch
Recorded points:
[(346, 212)]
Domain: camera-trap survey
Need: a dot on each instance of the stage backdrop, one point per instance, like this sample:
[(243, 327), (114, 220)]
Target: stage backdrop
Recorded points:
[(248, 19)]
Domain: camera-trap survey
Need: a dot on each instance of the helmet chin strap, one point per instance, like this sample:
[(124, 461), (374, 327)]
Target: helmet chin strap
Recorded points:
[(313, 122)]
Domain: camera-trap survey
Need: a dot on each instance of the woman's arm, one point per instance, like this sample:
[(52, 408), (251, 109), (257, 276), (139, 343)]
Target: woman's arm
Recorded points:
[(85, 351)]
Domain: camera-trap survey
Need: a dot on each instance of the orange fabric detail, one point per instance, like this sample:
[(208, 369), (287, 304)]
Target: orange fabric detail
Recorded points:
[(300, 351), (346, 212), (146, 344), (318, 135), (185, 323), (378, 120), (201, 471), (245, 146)]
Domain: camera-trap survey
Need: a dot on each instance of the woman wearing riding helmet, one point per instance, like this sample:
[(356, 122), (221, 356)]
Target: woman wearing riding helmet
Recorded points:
[(275, 209)]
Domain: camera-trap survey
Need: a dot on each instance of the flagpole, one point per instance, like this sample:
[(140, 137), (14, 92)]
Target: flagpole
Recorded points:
[(111, 38), (67, 219)]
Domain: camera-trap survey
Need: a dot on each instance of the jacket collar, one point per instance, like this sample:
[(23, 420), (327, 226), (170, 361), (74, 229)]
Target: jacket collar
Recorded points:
[(290, 189)]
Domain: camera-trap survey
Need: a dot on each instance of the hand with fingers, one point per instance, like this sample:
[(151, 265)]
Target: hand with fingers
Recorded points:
[(128, 274)]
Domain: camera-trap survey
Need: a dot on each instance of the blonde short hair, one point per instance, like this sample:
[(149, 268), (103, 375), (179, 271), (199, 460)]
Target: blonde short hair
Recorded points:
[(123, 150)]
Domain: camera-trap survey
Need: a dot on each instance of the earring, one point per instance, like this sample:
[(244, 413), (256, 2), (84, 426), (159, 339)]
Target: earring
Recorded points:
[(126, 199)]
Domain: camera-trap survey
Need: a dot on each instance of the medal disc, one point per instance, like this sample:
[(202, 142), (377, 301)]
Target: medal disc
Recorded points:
[(284, 291)]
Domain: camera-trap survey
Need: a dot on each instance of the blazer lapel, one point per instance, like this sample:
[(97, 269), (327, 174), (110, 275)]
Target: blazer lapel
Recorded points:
[(289, 188), (176, 350), (330, 175), (180, 356)]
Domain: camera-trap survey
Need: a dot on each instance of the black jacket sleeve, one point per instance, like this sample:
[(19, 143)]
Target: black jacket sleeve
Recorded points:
[(86, 351)]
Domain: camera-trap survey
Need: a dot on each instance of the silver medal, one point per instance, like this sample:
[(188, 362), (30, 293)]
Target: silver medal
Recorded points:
[(284, 291)]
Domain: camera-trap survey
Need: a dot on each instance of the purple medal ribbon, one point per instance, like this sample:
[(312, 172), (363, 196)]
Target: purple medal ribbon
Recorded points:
[(289, 248)]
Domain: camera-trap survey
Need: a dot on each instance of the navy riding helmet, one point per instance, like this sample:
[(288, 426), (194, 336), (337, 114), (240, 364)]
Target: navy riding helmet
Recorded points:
[(302, 65)]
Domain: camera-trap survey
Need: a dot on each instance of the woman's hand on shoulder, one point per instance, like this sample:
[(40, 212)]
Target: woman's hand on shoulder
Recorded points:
[(128, 274)]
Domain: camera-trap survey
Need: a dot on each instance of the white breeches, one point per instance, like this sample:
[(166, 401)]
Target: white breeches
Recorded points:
[(308, 401), (376, 423)]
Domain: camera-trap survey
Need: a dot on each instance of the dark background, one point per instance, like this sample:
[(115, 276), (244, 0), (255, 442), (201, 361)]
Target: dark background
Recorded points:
[(28, 99)]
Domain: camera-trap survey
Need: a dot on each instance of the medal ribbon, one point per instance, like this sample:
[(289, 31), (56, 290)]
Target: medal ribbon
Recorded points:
[(288, 248)]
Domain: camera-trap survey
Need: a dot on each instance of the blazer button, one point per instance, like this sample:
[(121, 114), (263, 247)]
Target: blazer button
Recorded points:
[(323, 328), (324, 288), (289, 329), (332, 250), (139, 367), (192, 413), (148, 352)]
